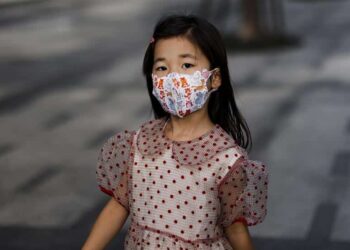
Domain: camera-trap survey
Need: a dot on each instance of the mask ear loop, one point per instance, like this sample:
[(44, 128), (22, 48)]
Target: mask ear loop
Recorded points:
[(211, 80)]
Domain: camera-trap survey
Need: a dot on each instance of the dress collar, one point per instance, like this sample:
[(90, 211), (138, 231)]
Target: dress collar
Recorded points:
[(152, 141)]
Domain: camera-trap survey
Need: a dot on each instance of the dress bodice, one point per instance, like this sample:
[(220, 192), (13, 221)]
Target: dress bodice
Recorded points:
[(182, 192)]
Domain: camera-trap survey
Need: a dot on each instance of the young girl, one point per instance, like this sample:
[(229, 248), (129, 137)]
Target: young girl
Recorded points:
[(184, 177)]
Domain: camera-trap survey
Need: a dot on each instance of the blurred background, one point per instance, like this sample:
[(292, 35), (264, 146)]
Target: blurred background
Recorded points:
[(70, 77)]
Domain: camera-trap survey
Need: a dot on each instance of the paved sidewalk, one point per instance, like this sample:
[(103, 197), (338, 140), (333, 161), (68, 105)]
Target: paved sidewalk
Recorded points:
[(70, 80)]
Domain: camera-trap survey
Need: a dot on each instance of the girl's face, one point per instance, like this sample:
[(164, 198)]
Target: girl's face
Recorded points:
[(177, 54)]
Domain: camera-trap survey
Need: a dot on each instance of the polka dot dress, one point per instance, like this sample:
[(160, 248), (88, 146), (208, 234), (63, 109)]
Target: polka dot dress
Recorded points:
[(181, 194)]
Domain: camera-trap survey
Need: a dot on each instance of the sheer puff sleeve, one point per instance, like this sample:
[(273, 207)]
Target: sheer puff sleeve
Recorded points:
[(243, 193), (112, 169)]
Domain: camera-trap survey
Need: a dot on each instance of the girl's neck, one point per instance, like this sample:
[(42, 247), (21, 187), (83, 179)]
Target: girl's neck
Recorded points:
[(188, 127)]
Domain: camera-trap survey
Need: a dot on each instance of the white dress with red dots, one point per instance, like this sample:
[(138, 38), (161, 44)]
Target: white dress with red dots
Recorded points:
[(181, 194)]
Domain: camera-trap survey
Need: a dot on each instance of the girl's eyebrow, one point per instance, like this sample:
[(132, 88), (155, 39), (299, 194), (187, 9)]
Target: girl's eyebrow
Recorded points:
[(186, 55)]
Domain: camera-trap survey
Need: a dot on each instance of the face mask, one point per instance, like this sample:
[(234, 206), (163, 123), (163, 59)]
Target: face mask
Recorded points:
[(182, 94)]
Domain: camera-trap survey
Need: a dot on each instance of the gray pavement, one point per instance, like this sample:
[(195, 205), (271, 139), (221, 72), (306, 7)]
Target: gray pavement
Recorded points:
[(71, 78)]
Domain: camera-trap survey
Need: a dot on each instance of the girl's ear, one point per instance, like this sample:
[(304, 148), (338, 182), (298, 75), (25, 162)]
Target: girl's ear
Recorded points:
[(216, 79)]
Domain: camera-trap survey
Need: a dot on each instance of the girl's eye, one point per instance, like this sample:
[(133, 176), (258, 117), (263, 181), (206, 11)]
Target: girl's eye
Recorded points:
[(160, 68), (187, 65)]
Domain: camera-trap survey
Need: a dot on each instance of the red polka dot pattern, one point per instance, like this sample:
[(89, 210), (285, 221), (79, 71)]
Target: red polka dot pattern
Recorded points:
[(152, 141), (139, 237), (112, 169), (179, 194), (243, 193)]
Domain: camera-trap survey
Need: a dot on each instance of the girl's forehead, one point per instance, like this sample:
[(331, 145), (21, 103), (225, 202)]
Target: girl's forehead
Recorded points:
[(176, 46)]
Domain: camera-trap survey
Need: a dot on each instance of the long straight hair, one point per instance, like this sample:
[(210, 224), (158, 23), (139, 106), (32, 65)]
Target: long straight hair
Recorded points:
[(222, 106)]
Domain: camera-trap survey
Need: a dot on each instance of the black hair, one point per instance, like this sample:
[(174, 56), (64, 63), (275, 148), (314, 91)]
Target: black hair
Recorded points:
[(222, 106)]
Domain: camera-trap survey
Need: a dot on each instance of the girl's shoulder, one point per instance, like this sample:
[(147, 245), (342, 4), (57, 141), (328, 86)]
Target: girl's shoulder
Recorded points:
[(117, 144), (150, 139), (126, 136), (156, 124)]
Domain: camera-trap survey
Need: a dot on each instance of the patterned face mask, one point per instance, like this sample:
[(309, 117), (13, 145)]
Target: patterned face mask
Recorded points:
[(182, 94)]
